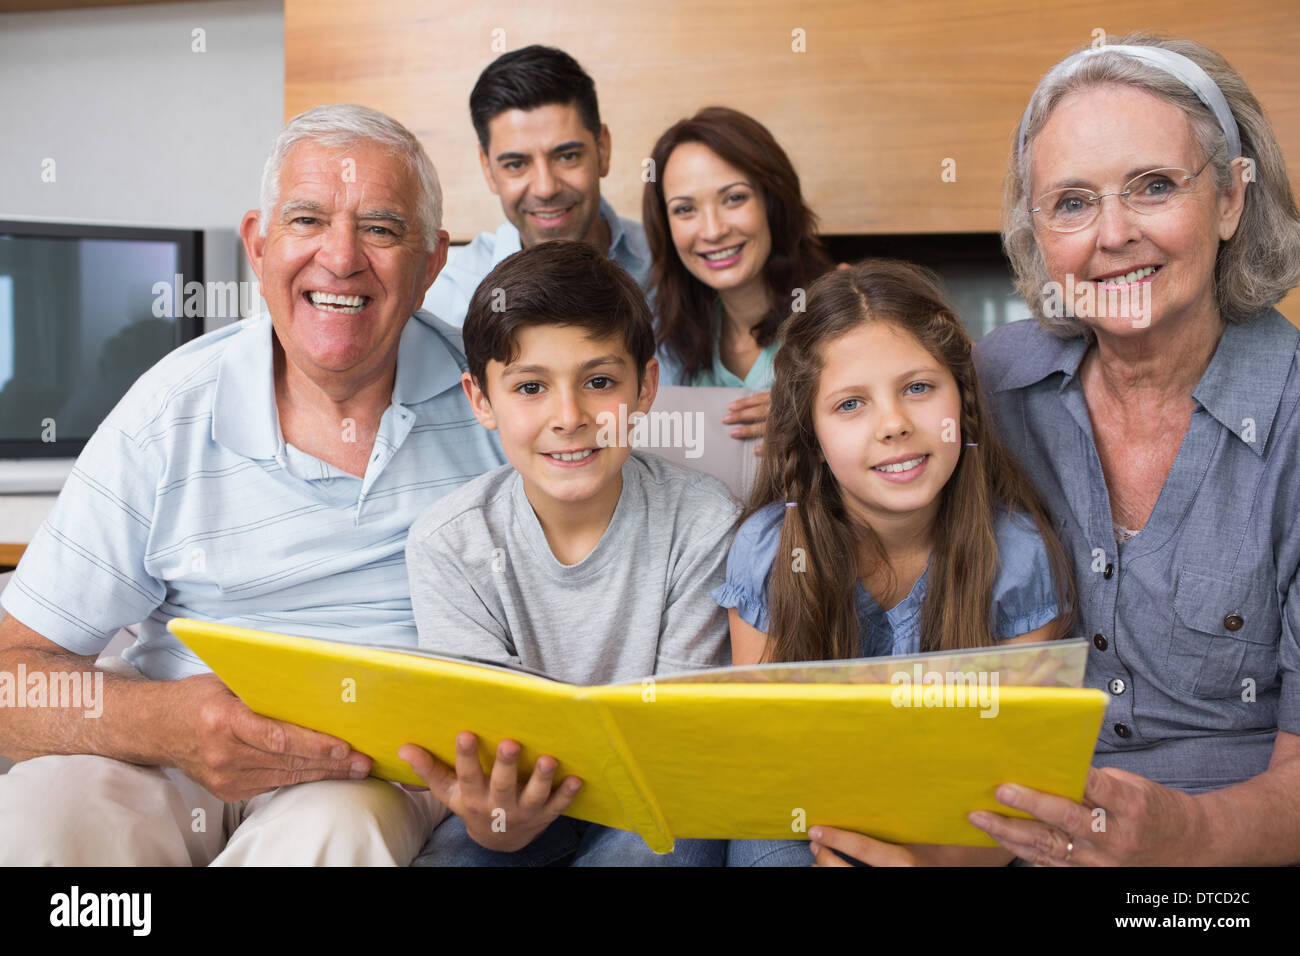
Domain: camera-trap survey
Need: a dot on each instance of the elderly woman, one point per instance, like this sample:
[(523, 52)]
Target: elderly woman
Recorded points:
[(1151, 226)]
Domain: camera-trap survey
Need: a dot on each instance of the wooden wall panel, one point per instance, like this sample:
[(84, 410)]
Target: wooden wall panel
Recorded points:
[(883, 94)]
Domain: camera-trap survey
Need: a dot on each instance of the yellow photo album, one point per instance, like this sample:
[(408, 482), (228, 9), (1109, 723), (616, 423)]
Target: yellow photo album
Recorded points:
[(899, 748)]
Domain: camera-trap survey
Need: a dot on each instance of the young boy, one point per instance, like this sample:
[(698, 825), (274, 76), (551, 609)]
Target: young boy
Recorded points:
[(584, 560)]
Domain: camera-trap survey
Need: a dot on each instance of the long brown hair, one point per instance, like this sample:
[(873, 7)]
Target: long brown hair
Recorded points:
[(811, 600), (684, 303)]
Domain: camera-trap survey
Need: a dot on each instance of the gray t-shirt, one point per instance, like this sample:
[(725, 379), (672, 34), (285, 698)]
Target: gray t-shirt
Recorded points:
[(485, 583)]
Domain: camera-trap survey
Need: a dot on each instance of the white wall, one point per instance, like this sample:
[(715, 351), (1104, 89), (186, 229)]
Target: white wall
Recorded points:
[(142, 129)]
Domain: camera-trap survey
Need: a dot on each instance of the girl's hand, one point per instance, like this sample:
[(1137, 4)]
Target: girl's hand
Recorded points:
[(873, 852), (498, 813), (1124, 819)]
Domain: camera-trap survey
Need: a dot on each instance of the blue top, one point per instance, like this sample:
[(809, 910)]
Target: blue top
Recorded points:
[(1193, 621), (1024, 595), (759, 377), (467, 265), (188, 502)]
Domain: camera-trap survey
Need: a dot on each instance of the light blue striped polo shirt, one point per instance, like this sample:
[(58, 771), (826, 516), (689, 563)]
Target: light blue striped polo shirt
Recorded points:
[(187, 502)]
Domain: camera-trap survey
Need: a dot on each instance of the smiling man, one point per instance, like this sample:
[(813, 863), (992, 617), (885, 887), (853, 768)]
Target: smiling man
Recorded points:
[(265, 475), (544, 152)]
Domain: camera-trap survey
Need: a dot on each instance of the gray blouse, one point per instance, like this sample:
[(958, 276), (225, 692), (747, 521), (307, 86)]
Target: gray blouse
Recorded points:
[(1194, 623)]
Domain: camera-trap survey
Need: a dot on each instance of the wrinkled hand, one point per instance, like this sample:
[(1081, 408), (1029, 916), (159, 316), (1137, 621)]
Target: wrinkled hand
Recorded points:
[(498, 813), (1124, 819), (236, 754)]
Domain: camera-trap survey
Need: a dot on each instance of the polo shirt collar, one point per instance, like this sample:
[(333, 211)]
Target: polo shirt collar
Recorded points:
[(244, 414), (429, 360)]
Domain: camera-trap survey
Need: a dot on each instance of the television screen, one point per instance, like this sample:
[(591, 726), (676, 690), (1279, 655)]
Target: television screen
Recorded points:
[(82, 315)]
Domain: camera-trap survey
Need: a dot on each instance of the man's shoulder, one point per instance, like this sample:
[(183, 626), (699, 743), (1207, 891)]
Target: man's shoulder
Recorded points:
[(472, 254), (183, 381), (441, 335), (634, 254), (449, 296), (480, 502), (470, 262), (634, 235)]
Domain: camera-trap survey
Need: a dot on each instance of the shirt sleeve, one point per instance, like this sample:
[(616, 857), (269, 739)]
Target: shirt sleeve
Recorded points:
[(451, 616), (750, 564), (1024, 594), (1288, 710), (693, 630), (84, 574)]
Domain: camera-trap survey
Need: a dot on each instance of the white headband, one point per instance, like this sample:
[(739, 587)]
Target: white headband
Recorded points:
[(1176, 65)]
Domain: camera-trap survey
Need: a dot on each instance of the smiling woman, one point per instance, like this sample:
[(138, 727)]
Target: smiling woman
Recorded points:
[(734, 247), (1166, 443)]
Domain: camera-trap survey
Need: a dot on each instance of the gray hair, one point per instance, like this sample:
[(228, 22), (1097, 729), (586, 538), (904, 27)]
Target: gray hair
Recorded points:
[(1257, 266), (342, 124)]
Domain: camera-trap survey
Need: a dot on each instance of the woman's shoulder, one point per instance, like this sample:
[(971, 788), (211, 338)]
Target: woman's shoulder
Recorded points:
[(1016, 345)]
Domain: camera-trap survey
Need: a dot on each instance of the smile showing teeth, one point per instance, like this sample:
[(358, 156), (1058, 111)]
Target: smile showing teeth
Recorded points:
[(333, 302), (721, 254), (549, 215), (1136, 276), (901, 466), (572, 456)]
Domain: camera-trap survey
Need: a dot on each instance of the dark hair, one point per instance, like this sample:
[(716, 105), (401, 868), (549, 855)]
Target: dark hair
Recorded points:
[(561, 282), (528, 78), (812, 611), (685, 304)]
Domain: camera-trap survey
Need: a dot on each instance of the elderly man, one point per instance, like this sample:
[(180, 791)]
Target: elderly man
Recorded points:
[(264, 475)]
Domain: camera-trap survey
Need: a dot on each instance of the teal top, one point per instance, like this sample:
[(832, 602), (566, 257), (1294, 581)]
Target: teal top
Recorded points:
[(759, 377)]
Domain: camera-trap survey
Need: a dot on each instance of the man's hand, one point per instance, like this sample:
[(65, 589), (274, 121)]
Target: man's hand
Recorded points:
[(1124, 819), (750, 413), (236, 754), (498, 813)]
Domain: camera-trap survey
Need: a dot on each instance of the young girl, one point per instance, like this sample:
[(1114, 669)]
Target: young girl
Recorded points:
[(887, 518)]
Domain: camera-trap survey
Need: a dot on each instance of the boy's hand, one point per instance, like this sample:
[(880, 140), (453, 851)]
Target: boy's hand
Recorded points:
[(498, 813)]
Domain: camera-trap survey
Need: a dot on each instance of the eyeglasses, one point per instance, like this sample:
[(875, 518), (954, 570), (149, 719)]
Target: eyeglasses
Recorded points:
[(1072, 208)]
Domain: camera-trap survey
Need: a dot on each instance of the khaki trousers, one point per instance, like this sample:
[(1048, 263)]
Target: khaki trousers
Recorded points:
[(86, 810)]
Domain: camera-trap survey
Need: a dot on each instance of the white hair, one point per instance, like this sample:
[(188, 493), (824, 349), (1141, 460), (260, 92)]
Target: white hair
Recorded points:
[(342, 124), (1258, 265)]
